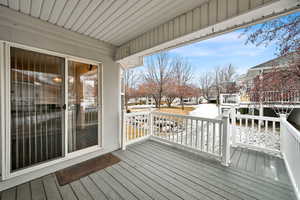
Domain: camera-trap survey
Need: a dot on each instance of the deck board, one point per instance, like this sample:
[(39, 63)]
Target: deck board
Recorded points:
[(230, 179), (23, 192), (91, 187), (51, 189), (37, 190), (152, 170), (140, 181)]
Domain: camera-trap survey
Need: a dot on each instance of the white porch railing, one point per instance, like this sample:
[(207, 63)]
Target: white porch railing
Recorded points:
[(136, 127), (257, 132), (271, 97), (214, 137), (229, 99), (290, 148), (209, 136)]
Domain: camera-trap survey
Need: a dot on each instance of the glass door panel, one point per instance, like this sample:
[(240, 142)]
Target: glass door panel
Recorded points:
[(82, 105), (37, 102)]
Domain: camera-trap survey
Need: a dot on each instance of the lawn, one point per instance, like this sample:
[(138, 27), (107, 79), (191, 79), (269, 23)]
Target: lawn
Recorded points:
[(177, 110)]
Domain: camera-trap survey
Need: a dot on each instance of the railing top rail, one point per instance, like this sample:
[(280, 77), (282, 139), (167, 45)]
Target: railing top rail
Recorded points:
[(292, 130), (228, 94), (137, 113), (188, 117), (258, 117)]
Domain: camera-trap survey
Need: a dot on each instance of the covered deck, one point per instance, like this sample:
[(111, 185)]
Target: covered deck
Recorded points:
[(154, 170)]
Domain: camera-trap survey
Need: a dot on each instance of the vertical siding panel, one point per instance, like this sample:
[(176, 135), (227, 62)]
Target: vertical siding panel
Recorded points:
[(222, 10), (182, 24), (166, 31), (196, 19), (145, 41), (176, 27), (14, 4), (267, 1), (171, 30), (132, 47), (243, 5), (204, 15), (139, 42), (142, 41), (36, 7), (189, 22), (156, 35), (212, 15), (232, 8), (148, 41), (255, 3), (25, 6), (152, 39), (160, 33)]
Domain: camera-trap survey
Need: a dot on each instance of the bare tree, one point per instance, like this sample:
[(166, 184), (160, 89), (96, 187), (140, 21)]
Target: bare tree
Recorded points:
[(206, 82), (131, 79), (170, 92), (182, 75), (157, 74), (224, 80), (283, 31)]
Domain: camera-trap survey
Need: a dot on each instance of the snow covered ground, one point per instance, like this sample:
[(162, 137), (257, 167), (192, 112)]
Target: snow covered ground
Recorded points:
[(205, 110)]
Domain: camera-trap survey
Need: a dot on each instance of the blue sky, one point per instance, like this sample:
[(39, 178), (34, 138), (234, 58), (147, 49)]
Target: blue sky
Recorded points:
[(223, 50), (227, 49)]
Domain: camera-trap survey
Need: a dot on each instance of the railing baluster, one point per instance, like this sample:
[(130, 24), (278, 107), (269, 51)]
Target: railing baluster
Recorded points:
[(191, 140), (196, 141), (214, 135), (168, 128), (220, 138), (202, 135), (186, 131), (207, 136)]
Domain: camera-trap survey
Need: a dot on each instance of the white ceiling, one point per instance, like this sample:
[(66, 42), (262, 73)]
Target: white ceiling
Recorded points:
[(113, 21)]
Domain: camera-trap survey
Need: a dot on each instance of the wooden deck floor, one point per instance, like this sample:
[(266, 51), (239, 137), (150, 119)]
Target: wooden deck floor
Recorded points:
[(259, 163), (151, 170)]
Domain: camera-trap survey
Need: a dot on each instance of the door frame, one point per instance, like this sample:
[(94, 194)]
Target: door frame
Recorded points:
[(99, 71), (5, 108)]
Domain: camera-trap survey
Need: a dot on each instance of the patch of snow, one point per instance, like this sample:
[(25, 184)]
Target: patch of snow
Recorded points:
[(205, 110)]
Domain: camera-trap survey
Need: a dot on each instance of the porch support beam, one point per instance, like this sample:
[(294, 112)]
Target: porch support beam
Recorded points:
[(209, 19)]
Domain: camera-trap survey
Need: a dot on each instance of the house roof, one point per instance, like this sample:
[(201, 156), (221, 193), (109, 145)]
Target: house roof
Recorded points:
[(279, 61)]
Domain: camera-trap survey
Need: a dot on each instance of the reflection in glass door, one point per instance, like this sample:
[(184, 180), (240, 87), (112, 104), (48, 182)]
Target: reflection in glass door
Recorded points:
[(37, 102), (82, 105)]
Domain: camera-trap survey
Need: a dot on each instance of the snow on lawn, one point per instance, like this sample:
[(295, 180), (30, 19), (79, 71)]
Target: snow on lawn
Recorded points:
[(205, 110)]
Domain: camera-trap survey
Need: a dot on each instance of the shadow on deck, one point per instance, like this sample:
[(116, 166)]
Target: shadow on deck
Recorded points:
[(151, 170)]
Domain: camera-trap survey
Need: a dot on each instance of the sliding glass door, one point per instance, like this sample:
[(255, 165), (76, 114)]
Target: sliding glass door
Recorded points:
[(37, 107), (83, 105), (55, 111)]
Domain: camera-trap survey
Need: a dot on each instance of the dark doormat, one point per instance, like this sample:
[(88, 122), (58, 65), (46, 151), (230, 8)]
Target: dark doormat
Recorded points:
[(80, 170)]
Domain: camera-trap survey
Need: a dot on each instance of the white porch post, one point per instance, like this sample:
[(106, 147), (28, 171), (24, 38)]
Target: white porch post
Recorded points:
[(124, 131), (233, 125), (225, 142), (282, 131), (150, 122)]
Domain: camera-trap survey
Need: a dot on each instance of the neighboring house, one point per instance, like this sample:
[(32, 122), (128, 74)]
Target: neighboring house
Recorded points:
[(246, 81)]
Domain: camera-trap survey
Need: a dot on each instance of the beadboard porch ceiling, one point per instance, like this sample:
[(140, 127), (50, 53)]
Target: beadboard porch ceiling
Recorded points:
[(112, 21)]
